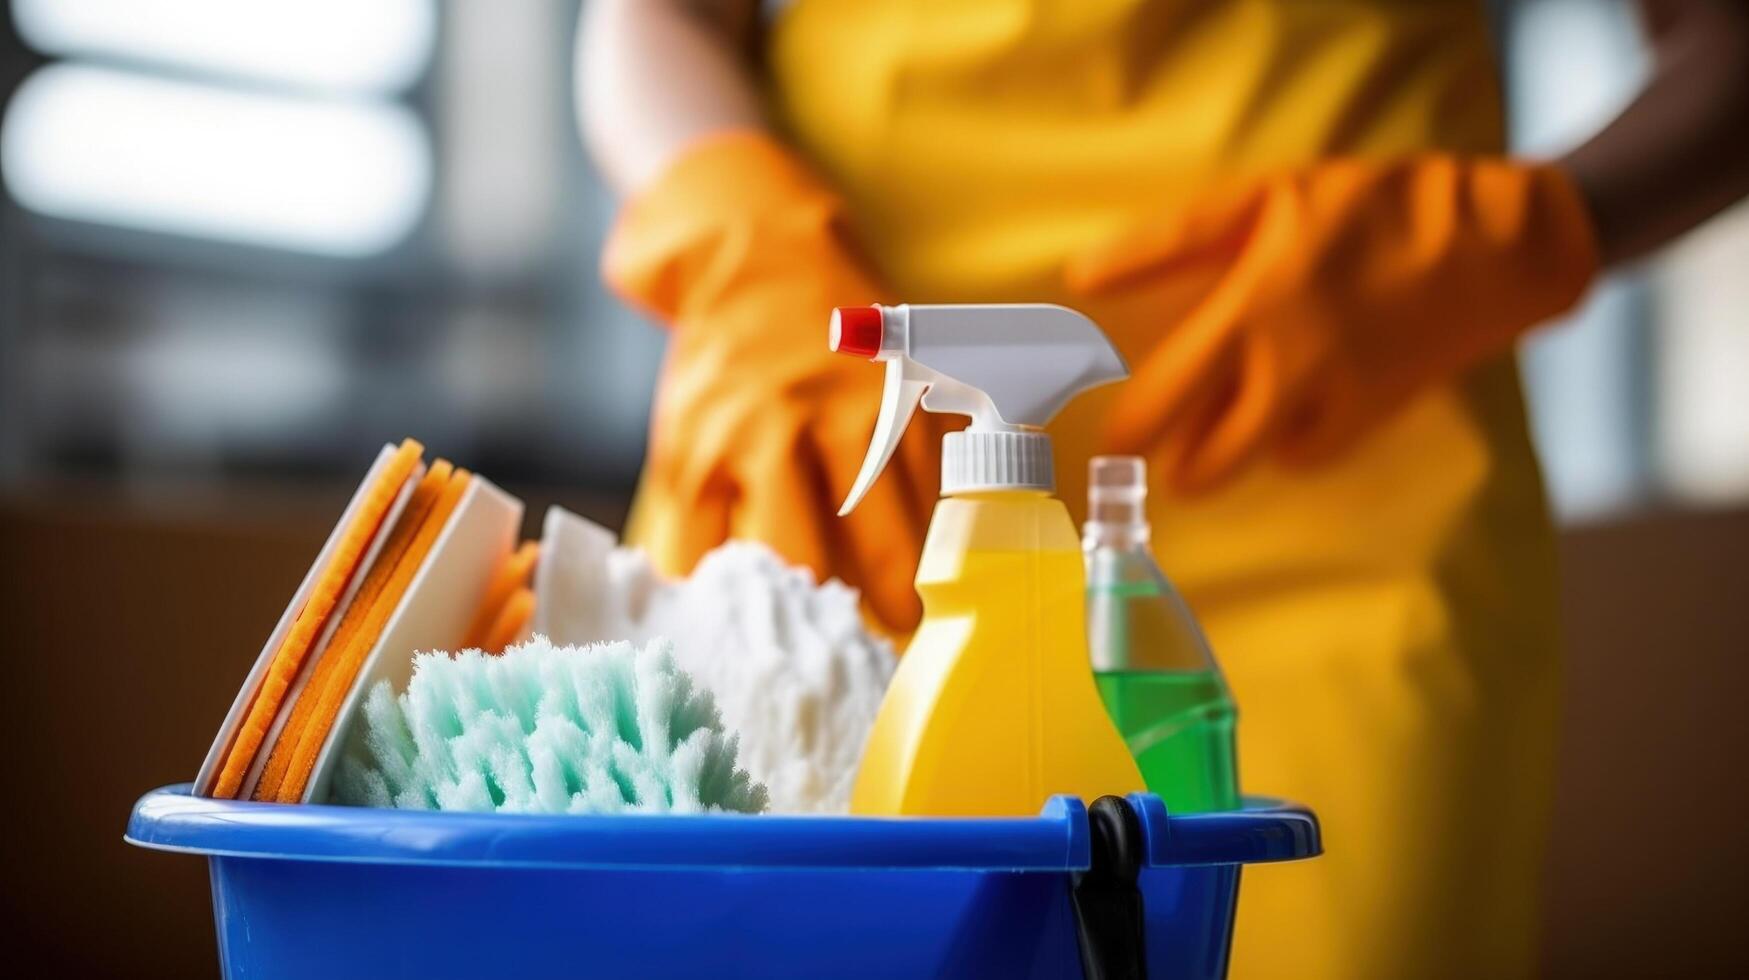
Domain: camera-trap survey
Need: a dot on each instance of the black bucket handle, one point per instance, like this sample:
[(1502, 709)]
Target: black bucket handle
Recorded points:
[(1106, 897)]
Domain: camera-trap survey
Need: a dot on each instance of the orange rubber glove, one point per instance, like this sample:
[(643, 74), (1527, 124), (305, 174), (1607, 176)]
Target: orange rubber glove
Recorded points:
[(758, 430), (1344, 289)]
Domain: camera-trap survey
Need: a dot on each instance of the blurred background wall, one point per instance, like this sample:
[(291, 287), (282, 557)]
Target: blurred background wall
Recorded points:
[(241, 245)]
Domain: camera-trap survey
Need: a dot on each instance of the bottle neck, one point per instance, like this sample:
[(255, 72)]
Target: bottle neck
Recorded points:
[(1117, 514), (1124, 536)]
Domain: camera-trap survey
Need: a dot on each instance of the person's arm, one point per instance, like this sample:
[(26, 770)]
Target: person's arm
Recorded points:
[(730, 238), (654, 76), (1680, 152), (1350, 285)]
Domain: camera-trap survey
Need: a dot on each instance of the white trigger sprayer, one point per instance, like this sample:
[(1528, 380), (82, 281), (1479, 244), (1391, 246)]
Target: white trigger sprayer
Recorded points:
[(1011, 368)]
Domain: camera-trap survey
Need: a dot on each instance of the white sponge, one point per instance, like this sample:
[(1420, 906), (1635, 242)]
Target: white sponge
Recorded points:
[(789, 661), (548, 729)]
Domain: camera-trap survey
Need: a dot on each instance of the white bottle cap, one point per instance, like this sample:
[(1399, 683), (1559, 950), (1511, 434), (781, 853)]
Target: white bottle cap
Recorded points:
[(1117, 495), (973, 461)]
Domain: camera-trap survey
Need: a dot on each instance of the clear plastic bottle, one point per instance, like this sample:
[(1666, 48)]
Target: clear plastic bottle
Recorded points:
[(1151, 662)]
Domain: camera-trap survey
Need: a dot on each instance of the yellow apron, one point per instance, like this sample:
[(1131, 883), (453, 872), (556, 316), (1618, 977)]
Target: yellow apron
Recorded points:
[(1387, 623)]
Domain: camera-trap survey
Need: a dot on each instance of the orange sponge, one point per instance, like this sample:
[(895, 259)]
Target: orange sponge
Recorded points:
[(289, 658), (511, 620), (350, 658), (511, 574), (424, 497)]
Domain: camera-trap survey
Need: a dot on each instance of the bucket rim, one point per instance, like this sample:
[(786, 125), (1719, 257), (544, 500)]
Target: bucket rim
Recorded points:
[(171, 818)]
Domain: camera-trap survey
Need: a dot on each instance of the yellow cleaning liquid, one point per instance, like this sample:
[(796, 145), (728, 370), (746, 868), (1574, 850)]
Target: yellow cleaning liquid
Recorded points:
[(993, 708)]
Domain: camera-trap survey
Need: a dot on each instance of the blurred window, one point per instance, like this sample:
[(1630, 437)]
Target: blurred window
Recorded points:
[(343, 178), (277, 132), (260, 238), (343, 46)]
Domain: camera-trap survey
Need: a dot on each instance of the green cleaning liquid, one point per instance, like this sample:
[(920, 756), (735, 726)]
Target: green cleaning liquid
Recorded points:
[(1179, 727), (1152, 664)]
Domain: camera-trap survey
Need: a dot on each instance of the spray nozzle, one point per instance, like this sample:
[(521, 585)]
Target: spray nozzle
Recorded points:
[(855, 330), (1010, 368)]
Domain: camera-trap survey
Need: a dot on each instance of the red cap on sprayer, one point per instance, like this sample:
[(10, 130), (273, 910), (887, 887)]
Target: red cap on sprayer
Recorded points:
[(855, 330)]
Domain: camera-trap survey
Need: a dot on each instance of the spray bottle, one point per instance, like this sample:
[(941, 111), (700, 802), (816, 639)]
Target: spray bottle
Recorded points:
[(993, 707), (1151, 661)]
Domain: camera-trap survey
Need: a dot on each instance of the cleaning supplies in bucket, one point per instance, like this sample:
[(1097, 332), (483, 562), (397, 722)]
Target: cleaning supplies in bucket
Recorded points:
[(993, 708), (547, 729), (424, 560)]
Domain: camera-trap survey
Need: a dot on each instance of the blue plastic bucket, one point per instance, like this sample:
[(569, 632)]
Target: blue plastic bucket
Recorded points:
[(325, 891)]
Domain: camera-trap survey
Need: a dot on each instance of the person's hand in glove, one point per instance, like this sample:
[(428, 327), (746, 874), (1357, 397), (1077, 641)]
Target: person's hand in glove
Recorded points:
[(1346, 288), (758, 429)]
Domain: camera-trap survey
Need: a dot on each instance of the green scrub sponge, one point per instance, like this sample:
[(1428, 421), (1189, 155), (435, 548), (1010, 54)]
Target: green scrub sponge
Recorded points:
[(547, 729)]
